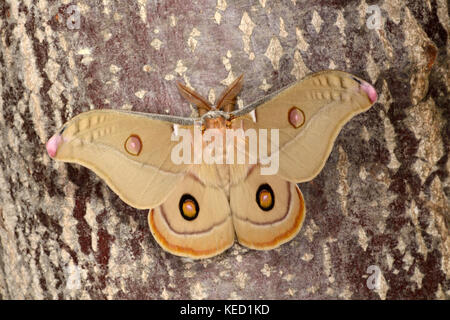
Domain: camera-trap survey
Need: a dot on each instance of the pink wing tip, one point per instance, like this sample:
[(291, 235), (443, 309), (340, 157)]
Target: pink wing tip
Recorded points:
[(53, 144), (371, 93)]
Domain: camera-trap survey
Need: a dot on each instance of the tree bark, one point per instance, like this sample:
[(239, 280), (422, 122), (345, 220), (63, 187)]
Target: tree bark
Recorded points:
[(382, 199)]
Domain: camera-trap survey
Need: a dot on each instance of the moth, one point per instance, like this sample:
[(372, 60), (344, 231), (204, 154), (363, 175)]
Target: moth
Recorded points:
[(199, 206)]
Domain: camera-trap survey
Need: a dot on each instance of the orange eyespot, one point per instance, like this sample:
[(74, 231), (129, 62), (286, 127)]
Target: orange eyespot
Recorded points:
[(133, 145), (265, 197), (188, 207)]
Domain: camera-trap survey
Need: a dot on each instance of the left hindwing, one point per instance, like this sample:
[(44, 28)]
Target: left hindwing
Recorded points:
[(195, 220)]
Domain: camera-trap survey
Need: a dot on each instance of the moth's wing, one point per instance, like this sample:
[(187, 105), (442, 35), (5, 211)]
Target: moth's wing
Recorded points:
[(260, 227), (327, 101), (97, 140), (208, 234)]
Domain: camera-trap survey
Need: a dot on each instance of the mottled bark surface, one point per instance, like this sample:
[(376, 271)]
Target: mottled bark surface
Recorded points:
[(382, 199)]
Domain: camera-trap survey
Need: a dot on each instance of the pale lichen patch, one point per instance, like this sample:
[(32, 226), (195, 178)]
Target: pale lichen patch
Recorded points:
[(156, 43), (217, 17), (229, 79), (246, 26), (307, 257), (413, 212), (192, 42), (389, 260), (84, 51), (165, 294), (327, 266), (395, 8), (169, 77), (417, 277), (127, 106), (383, 289), (332, 66), (372, 68), (226, 63), (106, 34), (52, 69), (274, 52), (427, 125), (221, 5), (140, 94), (289, 277), (310, 230), (362, 13), (241, 279), (365, 134), (114, 69), (266, 270), (55, 92), (407, 260), (439, 208), (87, 60), (265, 86), (343, 188), (181, 68), (198, 292), (330, 291), (312, 289), (346, 293), (211, 96), (362, 238), (189, 274), (341, 23), (390, 137), (401, 246), (142, 10), (291, 292), (147, 68), (299, 70), (316, 21), (301, 43), (283, 32), (362, 173), (234, 296)]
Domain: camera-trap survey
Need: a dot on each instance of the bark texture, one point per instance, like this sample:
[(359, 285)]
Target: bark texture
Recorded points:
[(382, 199)]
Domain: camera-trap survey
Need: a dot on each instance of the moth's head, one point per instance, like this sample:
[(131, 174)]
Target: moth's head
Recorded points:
[(226, 101)]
